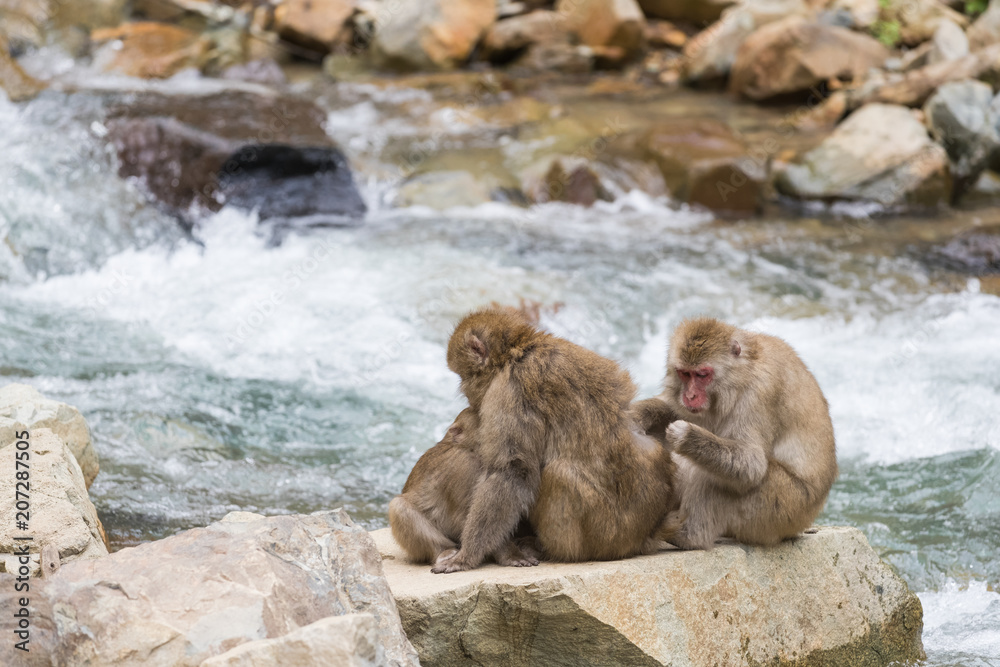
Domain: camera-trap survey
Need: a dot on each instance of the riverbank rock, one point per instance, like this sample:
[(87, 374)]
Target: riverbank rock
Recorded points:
[(14, 81), (149, 50), (961, 119), (793, 55), (26, 408), (315, 24), (606, 23), (508, 40), (948, 43), (431, 34), (919, 19), (823, 598), (200, 593), (880, 153), (60, 513), (986, 29), (701, 12), (265, 152)]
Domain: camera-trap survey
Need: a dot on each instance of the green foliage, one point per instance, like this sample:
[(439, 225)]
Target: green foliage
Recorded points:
[(974, 7), (887, 32)]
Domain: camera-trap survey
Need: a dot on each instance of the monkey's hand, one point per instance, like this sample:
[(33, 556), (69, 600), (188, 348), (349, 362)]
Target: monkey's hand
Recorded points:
[(677, 437), (453, 560)]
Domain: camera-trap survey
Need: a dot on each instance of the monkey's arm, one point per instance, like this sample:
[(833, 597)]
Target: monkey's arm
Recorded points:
[(652, 416), (740, 465)]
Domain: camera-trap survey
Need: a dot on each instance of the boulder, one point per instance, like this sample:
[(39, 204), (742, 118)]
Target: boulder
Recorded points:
[(14, 81), (60, 513), (601, 23), (960, 118), (202, 592), (986, 29), (149, 50), (315, 24), (793, 55), (566, 178), (918, 19), (25, 407), (507, 40), (431, 34), (823, 598), (710, 54), (701, 12), (255, 151), (350, 640), (881, 153), (948, 43)]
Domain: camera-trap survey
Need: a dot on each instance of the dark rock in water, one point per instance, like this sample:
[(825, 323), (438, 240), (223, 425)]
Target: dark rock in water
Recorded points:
[(976, 252), (195, 154)]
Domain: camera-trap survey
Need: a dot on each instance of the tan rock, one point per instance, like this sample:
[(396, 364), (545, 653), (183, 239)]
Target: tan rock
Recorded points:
[(509, 38), (27, 408), (350, 640), (863, 13), (182, 600), (986, 29), (606, 23), (948, 43), (696, 11), (149, 50), (793, 54), (664, 35), (918, 19), (823, 598), (60, 512), (431, 34), (14, 81), (320, 24)]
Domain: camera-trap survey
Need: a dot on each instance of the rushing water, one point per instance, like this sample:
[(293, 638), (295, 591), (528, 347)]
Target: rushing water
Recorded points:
[(219, 373)]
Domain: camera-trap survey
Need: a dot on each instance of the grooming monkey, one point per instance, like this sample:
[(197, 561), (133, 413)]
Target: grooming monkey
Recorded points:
[(558, 445), (751, 431)]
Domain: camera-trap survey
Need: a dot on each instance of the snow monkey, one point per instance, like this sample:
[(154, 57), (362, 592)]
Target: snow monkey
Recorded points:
[(751, 433), (558, 445), (428, 517)]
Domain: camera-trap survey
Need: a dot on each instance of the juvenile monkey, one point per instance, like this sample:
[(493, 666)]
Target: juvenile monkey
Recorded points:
[(428, 517), (752, 431), (558, 445)]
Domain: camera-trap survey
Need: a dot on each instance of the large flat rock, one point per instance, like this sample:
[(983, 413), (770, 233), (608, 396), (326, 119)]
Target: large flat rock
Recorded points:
[(822, 599)]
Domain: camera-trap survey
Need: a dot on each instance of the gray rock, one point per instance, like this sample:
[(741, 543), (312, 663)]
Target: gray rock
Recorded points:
[(949, 43), (823, 598), (960, 118), (202, 592), (880, 153)]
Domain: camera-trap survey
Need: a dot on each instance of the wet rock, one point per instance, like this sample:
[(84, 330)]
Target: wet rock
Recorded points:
[(266, 152), (823, 598), (14, 81), (195, 595), (149, 50), (315, 24), (60, 515), (558, 57), (710, 54), (918, 19), (975, 252), (431, 34), (986, 29), (793, 55), (703, 162), (948, 43), (570, 179), (881, 153), (510, 39), (266, 72), (443, 190), (606, 23), (960, 118), (350, 640), (700, 12), (22, 24)]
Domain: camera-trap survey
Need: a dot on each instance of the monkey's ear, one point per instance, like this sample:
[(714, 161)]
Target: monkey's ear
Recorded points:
[(477, 350), (735, 348)]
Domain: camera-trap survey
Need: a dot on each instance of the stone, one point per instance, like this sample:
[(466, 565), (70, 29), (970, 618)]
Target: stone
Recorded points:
[(255, 151), (27, 408), (600, 23), (198, 594), (350, 640), (863, 13), (664, 35), (14, 81), (793, 55), (431, 34), (948, 43), (443, 190), (823, 598), (149, 50), (880, 153), (700, 12), (960, 118), (314, 24), (511, 38), (918, 19), (710, 53), (566, 178), (826, 114), (60, 512), (986, 29)]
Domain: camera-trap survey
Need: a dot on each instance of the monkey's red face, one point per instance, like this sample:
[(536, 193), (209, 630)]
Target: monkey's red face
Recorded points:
[(695, 381)]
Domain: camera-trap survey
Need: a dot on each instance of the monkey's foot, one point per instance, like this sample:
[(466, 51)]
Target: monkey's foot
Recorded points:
[(452, 561)]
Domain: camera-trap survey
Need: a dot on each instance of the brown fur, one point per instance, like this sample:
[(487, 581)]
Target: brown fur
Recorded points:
[(428, 517), (758, 462), (558, 445)]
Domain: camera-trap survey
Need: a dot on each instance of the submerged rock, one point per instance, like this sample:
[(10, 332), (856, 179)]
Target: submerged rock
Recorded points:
[(881, 153), (975, 252), (960, 118), (823, 598), (200, 593), (431, 34)]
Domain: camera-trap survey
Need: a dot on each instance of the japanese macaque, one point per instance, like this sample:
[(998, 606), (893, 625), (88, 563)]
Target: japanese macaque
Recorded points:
[(558, 445), (751, 433), (428, 517)]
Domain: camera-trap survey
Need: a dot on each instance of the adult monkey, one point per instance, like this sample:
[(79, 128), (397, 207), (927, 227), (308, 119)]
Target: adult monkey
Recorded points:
[(558, 445), (752, 430), (427, 518)]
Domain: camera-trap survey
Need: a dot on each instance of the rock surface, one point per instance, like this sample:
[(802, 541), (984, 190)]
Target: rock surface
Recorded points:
[(614, 23), (315, 24), (198, 594), (960, 118), (948, 43), (22, 406), (824, 598), (697, 11), (512, 38), (881, 153), (14, 81), (149, 50), (918, 19), (60, 512), (986, 29), (431, 34)]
